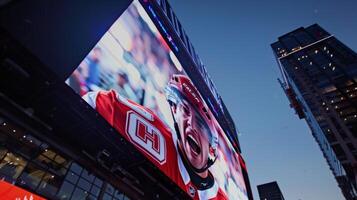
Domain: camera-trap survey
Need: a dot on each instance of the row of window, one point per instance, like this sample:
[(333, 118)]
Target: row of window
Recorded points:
[(328, 82), (34, 166), (298, 39)]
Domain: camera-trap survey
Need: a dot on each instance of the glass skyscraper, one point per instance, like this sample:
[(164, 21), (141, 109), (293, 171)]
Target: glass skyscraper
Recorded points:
[(319, 75)]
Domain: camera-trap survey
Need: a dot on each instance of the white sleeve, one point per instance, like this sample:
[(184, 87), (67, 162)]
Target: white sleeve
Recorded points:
[(209, 193), (91, 98)]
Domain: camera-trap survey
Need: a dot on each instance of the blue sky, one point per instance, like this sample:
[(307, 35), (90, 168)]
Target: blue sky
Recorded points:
[(233, 39)]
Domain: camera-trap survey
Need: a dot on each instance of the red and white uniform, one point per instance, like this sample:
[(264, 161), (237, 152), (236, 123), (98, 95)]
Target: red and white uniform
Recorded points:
[(151, 136)]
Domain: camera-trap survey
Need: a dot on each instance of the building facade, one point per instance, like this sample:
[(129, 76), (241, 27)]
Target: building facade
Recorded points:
[(270, 191), (319, 75)]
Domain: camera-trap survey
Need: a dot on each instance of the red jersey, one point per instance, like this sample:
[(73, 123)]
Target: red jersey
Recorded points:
[(151, 136)]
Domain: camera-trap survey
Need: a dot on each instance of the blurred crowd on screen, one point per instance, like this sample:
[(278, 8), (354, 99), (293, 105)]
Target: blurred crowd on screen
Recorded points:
[(131, 58), (227, 169)]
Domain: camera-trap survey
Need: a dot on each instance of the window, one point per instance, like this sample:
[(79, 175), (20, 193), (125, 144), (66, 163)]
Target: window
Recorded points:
[(88, 176), (85, 185), (98, 182), (111, 193), (76, 168), (95, 190), (55, 163), (65, 191), (79, 194), (2, 152), (91, 197), (109, 189), (31, 176), (72, 177), (61, 161), (106, 196), (118, 195), (11, 167), (46, 157), (50, 184)]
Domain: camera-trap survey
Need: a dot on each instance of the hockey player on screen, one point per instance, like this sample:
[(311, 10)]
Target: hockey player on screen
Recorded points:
[(184, 156)]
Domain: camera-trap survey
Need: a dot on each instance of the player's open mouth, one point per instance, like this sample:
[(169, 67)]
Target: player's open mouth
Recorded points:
[(193, 144)]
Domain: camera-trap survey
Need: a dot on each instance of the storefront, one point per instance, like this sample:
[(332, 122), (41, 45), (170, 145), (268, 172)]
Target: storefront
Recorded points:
[(34, 165)]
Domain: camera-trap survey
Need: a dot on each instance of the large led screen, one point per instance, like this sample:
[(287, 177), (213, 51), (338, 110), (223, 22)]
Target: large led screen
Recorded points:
[(135, 81)]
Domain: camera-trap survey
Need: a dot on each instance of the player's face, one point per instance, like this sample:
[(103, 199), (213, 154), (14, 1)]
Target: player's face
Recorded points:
[(194, 134)]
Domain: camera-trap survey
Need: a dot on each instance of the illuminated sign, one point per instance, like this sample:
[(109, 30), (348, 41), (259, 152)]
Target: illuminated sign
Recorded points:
[(12, 192), (169, 38)]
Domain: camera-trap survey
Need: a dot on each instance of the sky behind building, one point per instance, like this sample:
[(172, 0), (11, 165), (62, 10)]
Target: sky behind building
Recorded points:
[(233, 39)]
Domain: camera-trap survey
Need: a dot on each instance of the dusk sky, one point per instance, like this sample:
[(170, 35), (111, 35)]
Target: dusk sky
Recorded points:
[(233, 39)]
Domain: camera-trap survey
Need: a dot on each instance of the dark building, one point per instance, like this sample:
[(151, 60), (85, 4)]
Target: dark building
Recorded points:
[(270, 191), (319, 75), (52, 143)]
